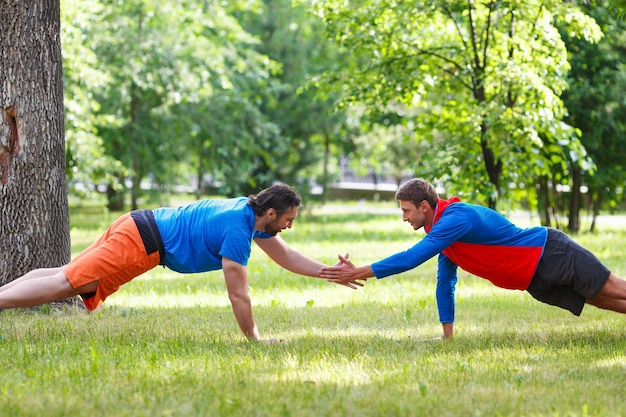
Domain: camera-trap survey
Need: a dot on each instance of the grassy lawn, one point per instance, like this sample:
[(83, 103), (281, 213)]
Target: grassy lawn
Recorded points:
[(168, 345)]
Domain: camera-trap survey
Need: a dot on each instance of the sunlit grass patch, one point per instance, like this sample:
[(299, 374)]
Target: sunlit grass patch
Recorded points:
[(167, 344)]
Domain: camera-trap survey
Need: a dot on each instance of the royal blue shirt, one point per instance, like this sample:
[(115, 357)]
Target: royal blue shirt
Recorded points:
[(197, 236)]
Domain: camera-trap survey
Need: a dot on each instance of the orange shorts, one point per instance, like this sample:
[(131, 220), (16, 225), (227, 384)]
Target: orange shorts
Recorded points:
[(118, 256)]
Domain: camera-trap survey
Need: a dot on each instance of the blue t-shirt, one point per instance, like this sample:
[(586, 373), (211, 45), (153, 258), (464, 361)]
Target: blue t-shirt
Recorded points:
[(197, 236)]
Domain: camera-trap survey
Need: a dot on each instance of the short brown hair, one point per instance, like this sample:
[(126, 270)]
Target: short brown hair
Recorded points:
[(417, 190), (280, 197)]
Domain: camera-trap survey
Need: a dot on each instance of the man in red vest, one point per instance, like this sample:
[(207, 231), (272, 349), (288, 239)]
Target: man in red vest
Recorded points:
[(543, 261)]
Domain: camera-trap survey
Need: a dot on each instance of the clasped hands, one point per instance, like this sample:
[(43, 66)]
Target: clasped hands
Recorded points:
[(343, 273)]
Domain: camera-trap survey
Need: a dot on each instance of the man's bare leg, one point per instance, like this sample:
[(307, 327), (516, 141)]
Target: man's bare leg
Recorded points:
[(612, 296), (38, 290), (35, 273)]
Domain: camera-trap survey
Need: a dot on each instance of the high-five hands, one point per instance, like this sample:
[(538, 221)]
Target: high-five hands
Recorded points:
[(343, 273)]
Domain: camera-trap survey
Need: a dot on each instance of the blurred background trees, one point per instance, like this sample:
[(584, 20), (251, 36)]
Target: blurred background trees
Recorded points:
[(503, 103)]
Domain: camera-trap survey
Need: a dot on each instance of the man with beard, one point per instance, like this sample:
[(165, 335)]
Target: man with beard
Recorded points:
[(203, 236)]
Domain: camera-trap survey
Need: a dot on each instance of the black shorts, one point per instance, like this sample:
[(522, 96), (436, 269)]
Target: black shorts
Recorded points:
[(567, 274)]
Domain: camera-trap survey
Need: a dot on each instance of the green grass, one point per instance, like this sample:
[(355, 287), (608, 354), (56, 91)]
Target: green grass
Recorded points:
[(168, 345)]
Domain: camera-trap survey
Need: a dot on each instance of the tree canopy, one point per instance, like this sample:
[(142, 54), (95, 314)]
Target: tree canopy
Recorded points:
[(487, 76), (481, 97)]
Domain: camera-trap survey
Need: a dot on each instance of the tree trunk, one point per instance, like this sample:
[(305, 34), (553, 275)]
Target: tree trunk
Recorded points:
[(115, 198), (136, 181), (596, 205), (34, 215), (325, 167), (574, 201), (543, 202)]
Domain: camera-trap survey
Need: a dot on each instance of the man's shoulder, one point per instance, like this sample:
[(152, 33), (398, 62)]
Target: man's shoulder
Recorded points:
[(459, 207), (470, 208), (467, 216)]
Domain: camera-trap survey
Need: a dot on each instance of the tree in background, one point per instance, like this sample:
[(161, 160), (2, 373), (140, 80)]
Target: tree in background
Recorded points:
[(616, 8), (453, 90), (197, 89), (596, 106), (87, 161), (387, 144), (157, 56), (34, 228), (307, 124), (224, 133), (486, 75), (156, 60)]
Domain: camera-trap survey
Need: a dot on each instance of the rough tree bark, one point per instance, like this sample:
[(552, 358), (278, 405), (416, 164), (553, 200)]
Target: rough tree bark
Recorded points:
[(34, 214)]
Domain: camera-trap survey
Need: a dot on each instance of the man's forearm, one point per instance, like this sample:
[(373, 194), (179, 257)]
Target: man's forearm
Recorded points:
[(303, 265), (243, 314), (289, 258)]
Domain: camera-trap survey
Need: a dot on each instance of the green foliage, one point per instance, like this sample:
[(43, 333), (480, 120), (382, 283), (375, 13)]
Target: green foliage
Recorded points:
[(165, 59), (485, 76), (209, 90), (467, 94), (616, 7), (596, 106), (86, 159), (304, 125)]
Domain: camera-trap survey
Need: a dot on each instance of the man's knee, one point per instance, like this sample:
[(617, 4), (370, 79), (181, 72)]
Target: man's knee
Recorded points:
[(88, 288), (614, 287), (62, 284)]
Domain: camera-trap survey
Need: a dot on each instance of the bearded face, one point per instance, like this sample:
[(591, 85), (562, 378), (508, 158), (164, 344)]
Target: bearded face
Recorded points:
[(282, 222), (272, 228)]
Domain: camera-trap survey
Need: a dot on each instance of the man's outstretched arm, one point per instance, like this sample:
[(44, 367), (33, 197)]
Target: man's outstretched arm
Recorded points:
[(296, 262)]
